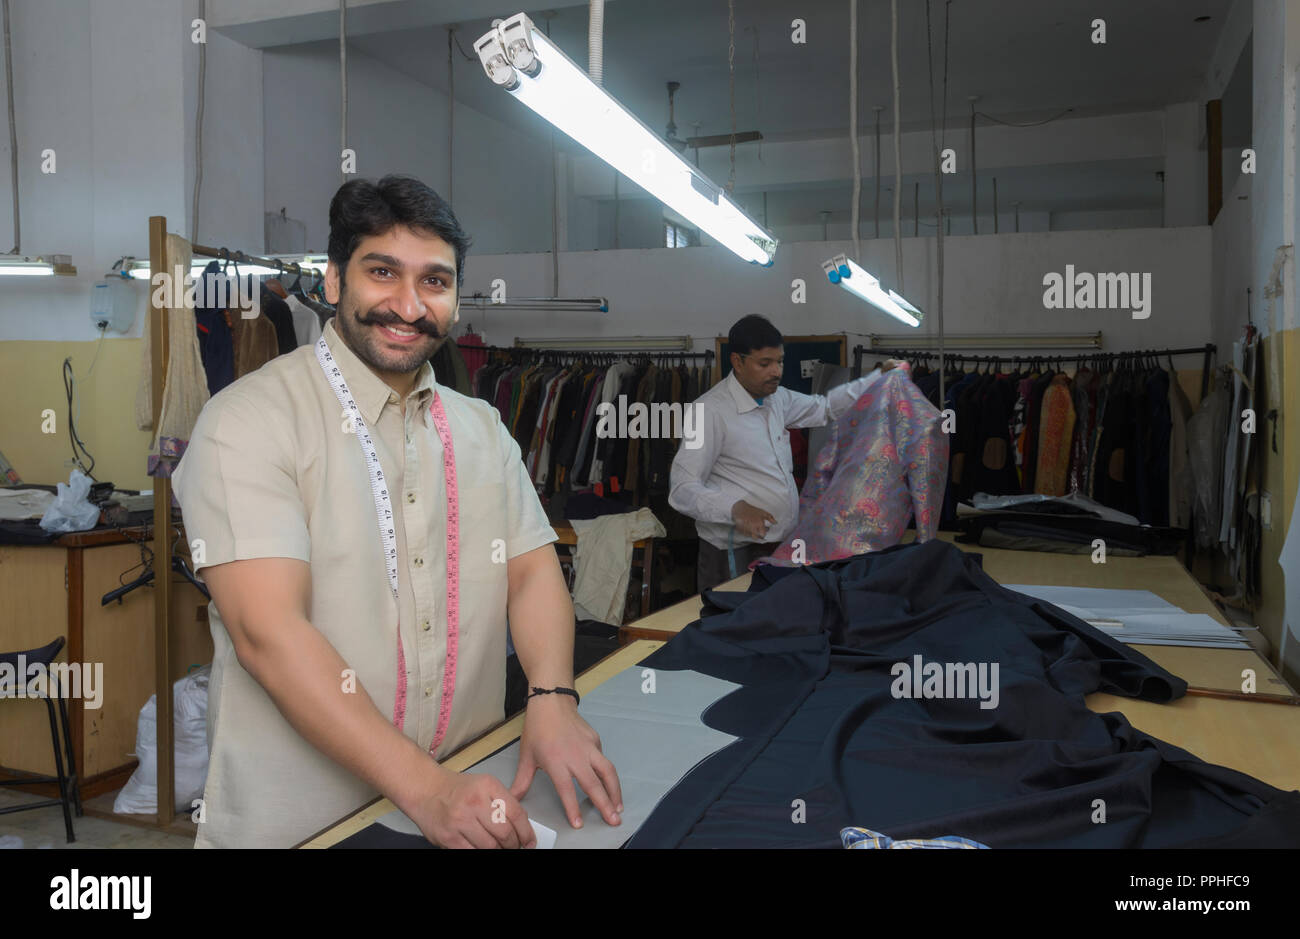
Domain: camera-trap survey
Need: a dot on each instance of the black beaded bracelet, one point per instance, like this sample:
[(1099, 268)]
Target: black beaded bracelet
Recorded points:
[(569, 691)]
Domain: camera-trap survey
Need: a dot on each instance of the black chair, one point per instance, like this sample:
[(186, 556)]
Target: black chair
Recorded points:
[(69, 787)]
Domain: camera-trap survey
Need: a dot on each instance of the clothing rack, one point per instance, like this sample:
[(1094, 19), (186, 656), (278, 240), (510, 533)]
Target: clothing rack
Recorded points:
[(1208, 350), (594, 353), (162, 502)]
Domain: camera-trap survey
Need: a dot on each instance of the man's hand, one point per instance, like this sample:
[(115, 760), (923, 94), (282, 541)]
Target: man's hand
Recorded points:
[(563, 745), (751, 520), (892, 363), (471, 810)]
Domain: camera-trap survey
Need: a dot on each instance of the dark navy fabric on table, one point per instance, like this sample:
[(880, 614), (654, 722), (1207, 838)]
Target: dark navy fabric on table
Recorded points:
[(824, 740)]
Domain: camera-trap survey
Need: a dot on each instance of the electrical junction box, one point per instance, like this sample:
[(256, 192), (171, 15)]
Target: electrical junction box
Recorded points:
[(113, 303), (807, 367)]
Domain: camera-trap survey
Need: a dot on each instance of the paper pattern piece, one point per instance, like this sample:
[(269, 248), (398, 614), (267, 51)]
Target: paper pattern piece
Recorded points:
[(1147, 619)]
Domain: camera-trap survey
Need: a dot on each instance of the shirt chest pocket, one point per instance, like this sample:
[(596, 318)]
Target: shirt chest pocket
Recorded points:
[(783, 453)]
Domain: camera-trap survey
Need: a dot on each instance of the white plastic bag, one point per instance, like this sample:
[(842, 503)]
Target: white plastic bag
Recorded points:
[(190, 753), (71, 510)]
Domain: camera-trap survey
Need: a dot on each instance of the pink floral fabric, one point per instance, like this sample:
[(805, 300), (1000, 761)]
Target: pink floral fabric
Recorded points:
[(885, 462)]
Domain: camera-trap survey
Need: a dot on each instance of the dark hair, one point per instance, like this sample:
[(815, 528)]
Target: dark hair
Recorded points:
[(752, 332), (362, 209)]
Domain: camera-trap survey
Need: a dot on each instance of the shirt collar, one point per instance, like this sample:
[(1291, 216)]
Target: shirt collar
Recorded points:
[(368, 390), (744, 400)]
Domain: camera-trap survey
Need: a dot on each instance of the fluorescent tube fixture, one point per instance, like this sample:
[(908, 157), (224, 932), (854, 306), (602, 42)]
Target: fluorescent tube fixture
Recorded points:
[(17, 266), (849, 275), (518, 57), (134, 267), (555, 304)]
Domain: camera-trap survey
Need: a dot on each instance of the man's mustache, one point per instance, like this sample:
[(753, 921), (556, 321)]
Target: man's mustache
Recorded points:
[(389, 318)]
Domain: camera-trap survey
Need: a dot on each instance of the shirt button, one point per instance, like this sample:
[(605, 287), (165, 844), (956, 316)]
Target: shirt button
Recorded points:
[(428, 691), (418, 562), (410, 497), (392, 397), (426, 625)]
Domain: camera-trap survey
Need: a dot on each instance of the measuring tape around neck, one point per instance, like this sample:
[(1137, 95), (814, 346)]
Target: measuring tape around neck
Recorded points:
[(388, 536)]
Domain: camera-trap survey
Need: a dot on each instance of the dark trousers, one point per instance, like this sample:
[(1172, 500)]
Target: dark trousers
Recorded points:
[(712, 568)]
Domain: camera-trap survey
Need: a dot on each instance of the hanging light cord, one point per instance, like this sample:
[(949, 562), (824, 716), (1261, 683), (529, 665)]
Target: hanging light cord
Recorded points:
[(853, 126), (731, 87), (343, 79), (13, 131), (898, 159), (938, 173), (198, 124), (998, 120), (451, 114)]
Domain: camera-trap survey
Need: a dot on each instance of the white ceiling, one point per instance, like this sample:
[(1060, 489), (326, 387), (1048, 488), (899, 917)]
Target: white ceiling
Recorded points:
[(1026, 59)]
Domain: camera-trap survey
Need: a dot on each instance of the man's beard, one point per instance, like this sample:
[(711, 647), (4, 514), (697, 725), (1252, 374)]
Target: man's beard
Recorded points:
[(360, 333)]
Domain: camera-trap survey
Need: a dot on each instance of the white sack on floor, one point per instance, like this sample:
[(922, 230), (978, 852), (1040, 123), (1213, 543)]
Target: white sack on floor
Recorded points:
[(190, 721)]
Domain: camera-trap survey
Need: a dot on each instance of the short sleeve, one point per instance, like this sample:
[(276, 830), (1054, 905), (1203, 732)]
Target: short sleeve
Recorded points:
[(526, 520), (238, 488)]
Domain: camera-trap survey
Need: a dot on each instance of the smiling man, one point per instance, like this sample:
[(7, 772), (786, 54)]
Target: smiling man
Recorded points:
[(365, 535)]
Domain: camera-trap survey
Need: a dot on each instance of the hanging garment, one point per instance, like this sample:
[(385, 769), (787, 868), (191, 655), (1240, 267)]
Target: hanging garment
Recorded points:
[(908, 687), (990, 465), (1180, 482), (1206, 432), (473, 351), (278, 312), (602, 561), (306, 323), (185, 389), (1055, 437), (885, 463), (216, 341), (255, 342)]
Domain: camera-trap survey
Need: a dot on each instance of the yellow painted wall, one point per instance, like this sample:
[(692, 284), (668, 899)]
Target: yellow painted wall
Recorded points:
[(31, 374)]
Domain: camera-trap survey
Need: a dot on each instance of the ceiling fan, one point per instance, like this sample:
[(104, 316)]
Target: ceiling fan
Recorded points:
[(712, 140)]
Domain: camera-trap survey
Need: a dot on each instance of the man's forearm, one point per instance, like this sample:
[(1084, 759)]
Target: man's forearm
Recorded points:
[(541, 622), (305, 677)]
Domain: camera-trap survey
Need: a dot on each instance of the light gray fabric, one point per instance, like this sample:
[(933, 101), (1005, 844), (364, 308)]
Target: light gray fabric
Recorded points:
[(653, 738)]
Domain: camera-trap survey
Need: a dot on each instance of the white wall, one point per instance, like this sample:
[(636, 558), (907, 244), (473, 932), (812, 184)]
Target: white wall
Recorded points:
[(106, 87), (993, 284), (396, 125)]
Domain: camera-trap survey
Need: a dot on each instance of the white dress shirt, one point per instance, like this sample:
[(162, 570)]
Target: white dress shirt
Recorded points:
[(745, 454)]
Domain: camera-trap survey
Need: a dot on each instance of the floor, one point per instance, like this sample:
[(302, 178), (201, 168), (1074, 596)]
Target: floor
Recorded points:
[(43, 828)]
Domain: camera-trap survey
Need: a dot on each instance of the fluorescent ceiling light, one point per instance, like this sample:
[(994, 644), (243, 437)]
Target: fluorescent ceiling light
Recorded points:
[(140, 269), (849, 275), (25, 267), (518, 57), (575, 304), (18, 266)]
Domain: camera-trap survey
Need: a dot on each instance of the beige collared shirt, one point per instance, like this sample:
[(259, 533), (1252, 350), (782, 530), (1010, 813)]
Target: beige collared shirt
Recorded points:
[(273, 471)]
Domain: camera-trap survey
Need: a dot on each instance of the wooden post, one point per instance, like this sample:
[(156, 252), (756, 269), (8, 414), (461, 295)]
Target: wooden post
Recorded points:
[(1214, 155), (159, 260)]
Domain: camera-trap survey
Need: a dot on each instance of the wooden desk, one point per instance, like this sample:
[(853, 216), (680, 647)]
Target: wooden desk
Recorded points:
[(488, 744), (1212, 672), (54, 590)]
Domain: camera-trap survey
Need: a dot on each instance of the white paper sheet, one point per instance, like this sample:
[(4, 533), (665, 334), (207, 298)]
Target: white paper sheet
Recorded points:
[(653, 740), (1146, 618)]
